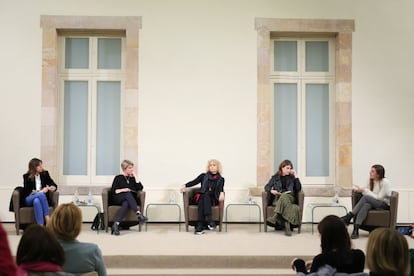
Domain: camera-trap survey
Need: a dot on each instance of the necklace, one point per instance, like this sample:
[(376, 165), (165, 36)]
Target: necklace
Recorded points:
[(127, 179)]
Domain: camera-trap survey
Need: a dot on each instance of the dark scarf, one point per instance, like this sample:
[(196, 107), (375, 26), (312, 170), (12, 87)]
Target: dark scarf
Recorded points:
[(212, 182)]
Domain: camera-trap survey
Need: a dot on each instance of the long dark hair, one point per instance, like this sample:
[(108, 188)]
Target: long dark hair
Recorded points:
[(39, 245), (335, 237), (33, 164), (379, 169), (283, 164)]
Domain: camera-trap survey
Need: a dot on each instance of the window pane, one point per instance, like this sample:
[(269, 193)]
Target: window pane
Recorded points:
[(108, 127), (109, 53), (317, 56), (317, 129), (75, 133), (285, 123), (285, 53), (76, 53)]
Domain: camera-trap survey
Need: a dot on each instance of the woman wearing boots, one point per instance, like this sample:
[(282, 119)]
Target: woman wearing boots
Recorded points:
[(211, 193), (124, 189), (284, 187), (374, 196)]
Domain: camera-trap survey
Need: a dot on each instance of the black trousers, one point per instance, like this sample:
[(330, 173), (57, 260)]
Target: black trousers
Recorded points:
[(127, 201), (204, 207)]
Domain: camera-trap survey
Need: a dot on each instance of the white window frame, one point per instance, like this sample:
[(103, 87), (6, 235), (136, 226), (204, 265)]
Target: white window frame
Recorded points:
[(301, 78), (92, 76)]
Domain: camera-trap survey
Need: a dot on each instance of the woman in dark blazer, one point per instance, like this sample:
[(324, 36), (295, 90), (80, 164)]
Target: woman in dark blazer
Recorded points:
[(124, 189), (37, 184), (284, 187)]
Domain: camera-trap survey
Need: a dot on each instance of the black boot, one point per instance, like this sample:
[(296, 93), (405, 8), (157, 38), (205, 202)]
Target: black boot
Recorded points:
[(355, 233), (347, 219), (199, 229), (115, 229), (141, 218)]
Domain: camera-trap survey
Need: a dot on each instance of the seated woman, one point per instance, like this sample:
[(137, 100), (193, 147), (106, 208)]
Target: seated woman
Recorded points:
[(124, 192), (336, 250), (66, 223), (387, 253), (284, 187), (36, 186), (376, 195), (211, 193), (39, 251)]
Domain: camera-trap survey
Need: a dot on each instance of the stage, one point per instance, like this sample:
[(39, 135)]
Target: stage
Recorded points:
[(162, 250)]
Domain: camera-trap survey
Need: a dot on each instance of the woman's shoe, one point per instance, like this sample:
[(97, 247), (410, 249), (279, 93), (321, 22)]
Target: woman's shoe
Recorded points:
[(288, 231), (347, 218), (115, 229), (141, 218)]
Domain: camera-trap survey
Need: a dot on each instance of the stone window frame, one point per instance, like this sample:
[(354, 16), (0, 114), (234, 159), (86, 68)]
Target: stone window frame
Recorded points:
[(342, 30), (51, 25)]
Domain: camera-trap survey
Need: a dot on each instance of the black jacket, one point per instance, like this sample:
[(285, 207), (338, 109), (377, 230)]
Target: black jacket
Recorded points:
[(275, 183), (203, 179), (29, 185)]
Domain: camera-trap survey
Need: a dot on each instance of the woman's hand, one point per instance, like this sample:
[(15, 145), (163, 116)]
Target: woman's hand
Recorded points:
[(274, 192), (124, 190), (135, 176), (44, 190), (182, 188), (293, 172), (51, 188), (221, 197)]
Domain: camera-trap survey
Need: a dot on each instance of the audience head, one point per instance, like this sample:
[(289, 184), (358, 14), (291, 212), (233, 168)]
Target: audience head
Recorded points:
[(285, 168), (387, 253), (127, 167), (66, 221), (334, 235), (39, 245), (214, 166), (35, 167)]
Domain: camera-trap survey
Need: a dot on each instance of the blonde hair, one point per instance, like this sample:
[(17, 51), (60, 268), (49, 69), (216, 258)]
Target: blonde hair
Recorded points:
[(125, 164), (66, 221), (218, 163), (387, 253)]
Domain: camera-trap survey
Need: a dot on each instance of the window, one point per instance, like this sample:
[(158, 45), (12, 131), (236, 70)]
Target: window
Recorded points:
[(302, 78), (91, 77)]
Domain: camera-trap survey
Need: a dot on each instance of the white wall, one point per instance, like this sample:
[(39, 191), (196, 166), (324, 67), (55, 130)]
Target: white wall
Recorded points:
[(198, 86)]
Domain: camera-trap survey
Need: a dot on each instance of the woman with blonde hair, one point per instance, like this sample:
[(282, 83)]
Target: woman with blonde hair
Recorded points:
[(284, 187), (66, 223), (387, 253), (211, 193), (124, 189)]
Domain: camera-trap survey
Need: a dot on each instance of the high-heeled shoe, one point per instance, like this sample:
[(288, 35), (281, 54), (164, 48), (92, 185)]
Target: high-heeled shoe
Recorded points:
[(115, 229)]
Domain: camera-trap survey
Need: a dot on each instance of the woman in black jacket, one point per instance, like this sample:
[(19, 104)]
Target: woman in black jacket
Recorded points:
[(284, 187), (37, 184), (211, 193), (124, 189)]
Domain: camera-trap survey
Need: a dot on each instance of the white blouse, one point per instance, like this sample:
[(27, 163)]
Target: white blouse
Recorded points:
[(381, 190), (38, 182)]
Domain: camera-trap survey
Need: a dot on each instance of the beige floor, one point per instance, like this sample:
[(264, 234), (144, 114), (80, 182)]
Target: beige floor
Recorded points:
[(164, 248)]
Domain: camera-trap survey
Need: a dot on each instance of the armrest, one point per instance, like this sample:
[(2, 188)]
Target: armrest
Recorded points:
[(301, 199), (356, 196), (105, 199), (55, 198), (393, 208), (16, 200)]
